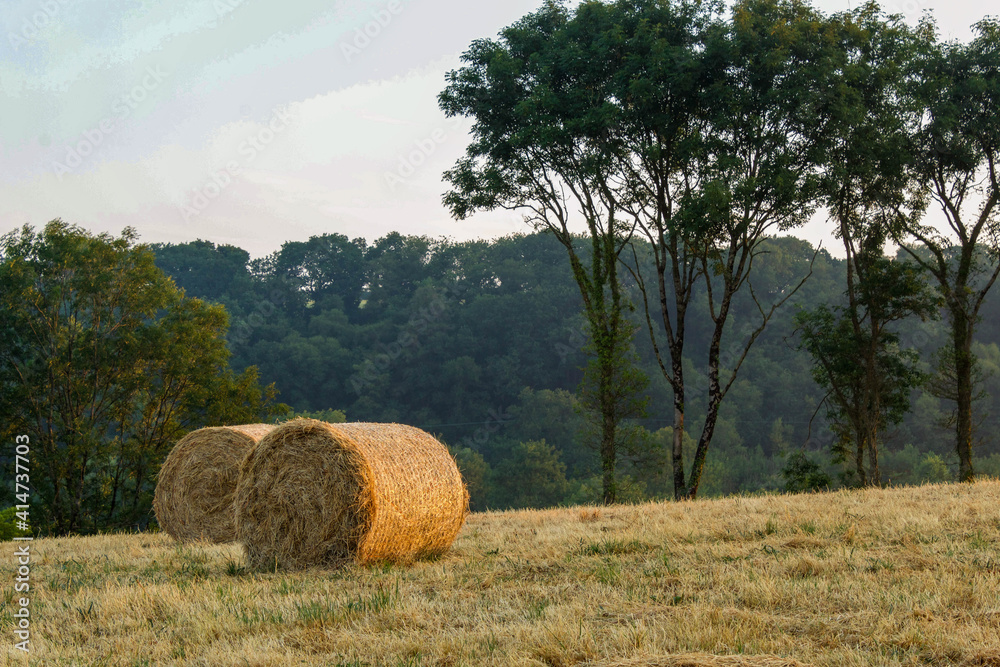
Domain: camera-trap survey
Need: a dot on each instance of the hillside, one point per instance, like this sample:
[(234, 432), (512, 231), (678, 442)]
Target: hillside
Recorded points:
[(878, 577), (482, 344)]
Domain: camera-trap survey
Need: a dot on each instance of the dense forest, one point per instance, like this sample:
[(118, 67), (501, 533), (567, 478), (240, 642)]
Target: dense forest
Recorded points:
[(657, 335), (483, 344)]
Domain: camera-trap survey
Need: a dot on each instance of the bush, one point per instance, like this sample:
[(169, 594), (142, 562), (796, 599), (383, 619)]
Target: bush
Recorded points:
[(8, 528), (532, 477), (911, 466), (932, 468), (801, 474), (476, 475), (988, 466)]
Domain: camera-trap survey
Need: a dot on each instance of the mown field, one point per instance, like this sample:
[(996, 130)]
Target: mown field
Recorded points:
[(902, 576)]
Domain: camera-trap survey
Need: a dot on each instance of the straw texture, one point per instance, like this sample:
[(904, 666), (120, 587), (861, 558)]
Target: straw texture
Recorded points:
[(317, 494), (704, 660), (196, 484)]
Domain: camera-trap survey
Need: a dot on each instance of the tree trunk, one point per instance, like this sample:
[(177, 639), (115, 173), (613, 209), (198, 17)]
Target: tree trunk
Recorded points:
[(874, 474), (677, 455), (962, 340), (859, 458), (711, 417), (608, 421), (608, 460), (714, 398)]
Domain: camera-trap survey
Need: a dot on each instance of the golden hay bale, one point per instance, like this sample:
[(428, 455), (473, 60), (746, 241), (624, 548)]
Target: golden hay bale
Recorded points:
[(312, 493), (195, 487)]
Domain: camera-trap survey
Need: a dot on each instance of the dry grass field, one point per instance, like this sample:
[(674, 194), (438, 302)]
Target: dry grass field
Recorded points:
[(903, 576)]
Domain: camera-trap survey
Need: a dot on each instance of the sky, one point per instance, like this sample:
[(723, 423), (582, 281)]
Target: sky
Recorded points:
[(255, 122)]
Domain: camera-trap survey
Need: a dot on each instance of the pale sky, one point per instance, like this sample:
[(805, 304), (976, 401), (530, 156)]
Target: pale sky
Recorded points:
[(254, 122)]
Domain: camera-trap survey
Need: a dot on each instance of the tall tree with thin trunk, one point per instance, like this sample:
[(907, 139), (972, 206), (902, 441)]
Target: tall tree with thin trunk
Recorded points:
[(698, 133), (721, 140), (866, 185), (538, 96), (957, 159)]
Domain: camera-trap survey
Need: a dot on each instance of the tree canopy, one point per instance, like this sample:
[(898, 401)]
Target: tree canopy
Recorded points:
[(104, 364)]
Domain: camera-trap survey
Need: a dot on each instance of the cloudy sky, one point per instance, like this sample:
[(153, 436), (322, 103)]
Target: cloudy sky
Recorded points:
[(253, 122)]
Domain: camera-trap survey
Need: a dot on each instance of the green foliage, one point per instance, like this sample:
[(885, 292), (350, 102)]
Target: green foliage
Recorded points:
[(476, 474), (532, 476), (201, 268), (912, 466), (536, 153), (989, 466), (104, 363), (517, 319), (556, 416), (802, 474), (859, 362), (661, 121), (329, 415), (511, 306), (584, 491), (956, 152), (8, 525)]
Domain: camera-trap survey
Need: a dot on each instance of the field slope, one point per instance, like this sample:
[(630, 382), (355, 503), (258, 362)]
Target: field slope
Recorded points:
[(904, 576)]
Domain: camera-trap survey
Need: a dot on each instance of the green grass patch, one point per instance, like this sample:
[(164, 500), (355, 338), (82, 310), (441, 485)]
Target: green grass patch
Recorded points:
[(615, 547)]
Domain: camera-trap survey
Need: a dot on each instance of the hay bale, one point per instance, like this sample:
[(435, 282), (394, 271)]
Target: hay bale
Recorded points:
[(317, 494), (196, 484)]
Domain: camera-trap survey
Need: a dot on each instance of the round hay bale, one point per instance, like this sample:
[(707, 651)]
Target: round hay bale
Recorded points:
[(317, 494), (195, 486)]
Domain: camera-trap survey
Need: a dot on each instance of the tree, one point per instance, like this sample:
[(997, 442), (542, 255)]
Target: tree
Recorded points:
[(956, 148), (803, 474), (534, 153), (865, 186), (476, 474), (203, 269), (867, 376), (323, 266), (104, 363), (717, 150), (532, 476), (658, 117)]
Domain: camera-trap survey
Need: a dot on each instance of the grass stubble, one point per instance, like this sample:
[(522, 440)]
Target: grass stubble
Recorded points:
[(901, 576)]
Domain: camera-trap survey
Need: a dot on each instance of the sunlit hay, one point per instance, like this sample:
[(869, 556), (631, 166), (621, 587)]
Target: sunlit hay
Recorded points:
[(319, 494), (195, 486), (705, 660)]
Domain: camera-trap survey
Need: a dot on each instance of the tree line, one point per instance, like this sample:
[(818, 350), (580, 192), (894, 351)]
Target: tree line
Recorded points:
[(482, 343), (485, 344), (682, 135), (659, 334)]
